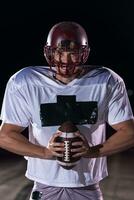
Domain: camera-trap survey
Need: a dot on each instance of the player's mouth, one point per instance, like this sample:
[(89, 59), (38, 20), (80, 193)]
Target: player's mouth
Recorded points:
[(66, 70)]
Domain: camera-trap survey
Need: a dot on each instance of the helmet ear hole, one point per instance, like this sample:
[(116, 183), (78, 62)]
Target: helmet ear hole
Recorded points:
[(48, 54), (87, 51), (85, 55)]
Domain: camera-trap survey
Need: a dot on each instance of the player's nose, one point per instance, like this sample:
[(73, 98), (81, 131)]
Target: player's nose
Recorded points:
[(65, 58)]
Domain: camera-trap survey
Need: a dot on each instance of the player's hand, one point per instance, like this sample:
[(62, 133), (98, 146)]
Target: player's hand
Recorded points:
[(55, 148), (82, 147), (85, 150)]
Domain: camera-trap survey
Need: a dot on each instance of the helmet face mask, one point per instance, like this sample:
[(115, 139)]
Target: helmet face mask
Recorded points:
[(66, 47)]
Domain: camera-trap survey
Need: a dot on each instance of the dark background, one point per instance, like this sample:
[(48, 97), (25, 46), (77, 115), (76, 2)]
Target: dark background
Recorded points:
[(24, 26), (109, 24)]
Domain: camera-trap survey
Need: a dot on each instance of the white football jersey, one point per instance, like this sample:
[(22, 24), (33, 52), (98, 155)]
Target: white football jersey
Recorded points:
[(35, 99)]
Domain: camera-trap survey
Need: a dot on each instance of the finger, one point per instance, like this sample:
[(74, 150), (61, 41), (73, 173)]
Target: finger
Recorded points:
[(78, 150), (58, 154), (57, 144), (77, 132), (77, 143), (78, 155), (80, 135), (54, 136), (58, 149)]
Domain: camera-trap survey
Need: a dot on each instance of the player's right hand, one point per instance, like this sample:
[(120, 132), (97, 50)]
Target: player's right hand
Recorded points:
[(56, 149)]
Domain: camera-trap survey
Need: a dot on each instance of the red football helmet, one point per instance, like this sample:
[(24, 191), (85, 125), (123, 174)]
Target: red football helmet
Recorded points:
[(67, 37)]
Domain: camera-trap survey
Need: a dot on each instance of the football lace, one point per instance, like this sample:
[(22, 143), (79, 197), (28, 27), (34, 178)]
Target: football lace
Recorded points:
[(67, 151)]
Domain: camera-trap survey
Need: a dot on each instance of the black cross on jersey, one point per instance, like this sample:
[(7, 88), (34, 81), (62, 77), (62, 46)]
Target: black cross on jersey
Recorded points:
[(67, 108)]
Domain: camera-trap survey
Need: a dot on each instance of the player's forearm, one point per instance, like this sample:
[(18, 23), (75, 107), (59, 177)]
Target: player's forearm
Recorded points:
[(19, 144), (118, 142)]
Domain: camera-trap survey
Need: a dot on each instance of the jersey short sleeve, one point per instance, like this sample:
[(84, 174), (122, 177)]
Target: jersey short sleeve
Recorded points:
[(15, 107), (119, 108)]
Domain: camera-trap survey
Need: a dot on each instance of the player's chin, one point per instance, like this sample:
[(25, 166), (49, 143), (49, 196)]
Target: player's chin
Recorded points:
[(69, 73), (66, 74)]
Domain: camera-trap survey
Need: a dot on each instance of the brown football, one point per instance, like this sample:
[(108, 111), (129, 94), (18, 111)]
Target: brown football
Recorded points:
[(68, 136)]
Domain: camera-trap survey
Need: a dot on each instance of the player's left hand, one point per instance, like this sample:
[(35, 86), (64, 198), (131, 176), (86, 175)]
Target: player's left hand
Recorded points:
[(83, 149)]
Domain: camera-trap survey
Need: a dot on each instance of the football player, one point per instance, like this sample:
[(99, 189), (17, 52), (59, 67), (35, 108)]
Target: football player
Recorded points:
[(43, 97)]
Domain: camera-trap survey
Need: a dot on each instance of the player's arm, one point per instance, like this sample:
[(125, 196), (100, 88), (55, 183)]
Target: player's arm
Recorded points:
[(123, 139), (12, 140)]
